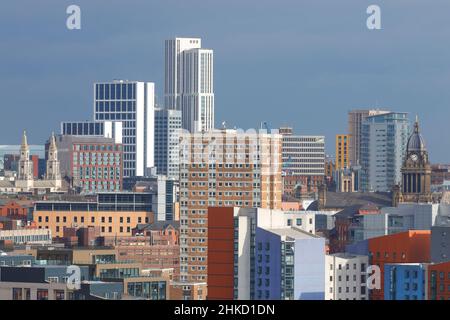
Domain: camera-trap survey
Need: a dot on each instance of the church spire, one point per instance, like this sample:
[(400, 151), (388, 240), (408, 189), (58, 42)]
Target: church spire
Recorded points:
[(24, 140), (53, 166), (52, 147), (25, 171)]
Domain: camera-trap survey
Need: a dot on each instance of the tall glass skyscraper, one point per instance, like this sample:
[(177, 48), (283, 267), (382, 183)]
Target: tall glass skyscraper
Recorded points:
[(173, 84), (189, 82), (383, 145), (133, 104)]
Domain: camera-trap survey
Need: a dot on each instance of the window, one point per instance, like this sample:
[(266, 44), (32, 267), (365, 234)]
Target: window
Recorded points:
[(59, 295), (52, 279), (42, 294), (27, 293), (17, 294)]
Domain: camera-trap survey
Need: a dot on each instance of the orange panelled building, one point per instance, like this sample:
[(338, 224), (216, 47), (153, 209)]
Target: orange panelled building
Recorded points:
[(405, 247), (439, 281), (221, 253)]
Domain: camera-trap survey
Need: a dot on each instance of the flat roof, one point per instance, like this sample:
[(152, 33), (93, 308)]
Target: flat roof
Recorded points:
[(292, 232), (346, 255)]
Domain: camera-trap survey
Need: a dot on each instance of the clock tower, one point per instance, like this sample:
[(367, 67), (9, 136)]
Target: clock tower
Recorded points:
[(416, 171)]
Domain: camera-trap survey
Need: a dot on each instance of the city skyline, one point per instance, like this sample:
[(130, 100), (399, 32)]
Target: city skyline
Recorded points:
[(324, 65), (233, 152)]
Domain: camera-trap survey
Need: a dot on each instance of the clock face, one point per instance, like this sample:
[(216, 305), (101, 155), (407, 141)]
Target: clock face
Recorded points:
[(414, 157)]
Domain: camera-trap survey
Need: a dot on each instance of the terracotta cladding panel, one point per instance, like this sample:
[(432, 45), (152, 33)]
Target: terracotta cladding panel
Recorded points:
[(220, 253), (220, 280), (220, 293), (220, 257), (221, 269), (220, 217), (415, 245), (217, 234)]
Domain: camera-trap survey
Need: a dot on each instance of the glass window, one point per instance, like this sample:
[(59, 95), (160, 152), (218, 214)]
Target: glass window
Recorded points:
[(102, 96), (59, 295), (42, 294), (17, 294), (107, 92)]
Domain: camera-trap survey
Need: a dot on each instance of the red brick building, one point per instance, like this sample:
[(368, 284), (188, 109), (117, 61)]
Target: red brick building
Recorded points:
[(155, 246), (15, 209)]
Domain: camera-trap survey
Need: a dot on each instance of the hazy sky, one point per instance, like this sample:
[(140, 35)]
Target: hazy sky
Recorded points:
[(298, 63)]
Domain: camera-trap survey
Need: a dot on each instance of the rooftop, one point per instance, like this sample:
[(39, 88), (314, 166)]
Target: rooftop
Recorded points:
[(346, 255), (347, 199), (293, 233)]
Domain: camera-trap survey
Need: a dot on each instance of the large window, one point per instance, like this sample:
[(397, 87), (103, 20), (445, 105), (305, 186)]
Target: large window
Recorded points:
[(59, 295), (17, 294), (42, 294)]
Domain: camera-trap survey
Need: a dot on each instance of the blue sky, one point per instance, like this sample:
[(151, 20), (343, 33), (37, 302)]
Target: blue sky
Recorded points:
[(287, 62)]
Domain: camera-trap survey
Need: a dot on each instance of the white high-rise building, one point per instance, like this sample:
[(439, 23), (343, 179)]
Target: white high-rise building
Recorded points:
[(167, 140), (198, 91), (189, 82), (133, 104), (345, 277), (173, 85)]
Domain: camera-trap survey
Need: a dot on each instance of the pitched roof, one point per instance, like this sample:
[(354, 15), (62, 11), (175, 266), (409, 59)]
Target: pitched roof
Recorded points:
[(347, 199), (158, 225)]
